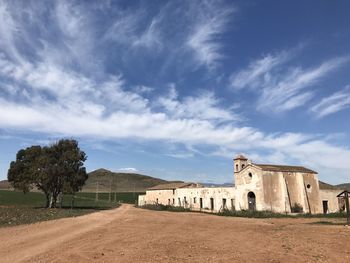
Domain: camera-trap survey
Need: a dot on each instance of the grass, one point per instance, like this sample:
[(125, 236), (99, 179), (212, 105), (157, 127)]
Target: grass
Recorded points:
[(17, 208)]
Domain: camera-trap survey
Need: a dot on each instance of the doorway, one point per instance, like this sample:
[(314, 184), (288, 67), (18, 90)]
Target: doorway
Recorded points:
[(251, 201), (211, 203), (325, 206), (200, 203)]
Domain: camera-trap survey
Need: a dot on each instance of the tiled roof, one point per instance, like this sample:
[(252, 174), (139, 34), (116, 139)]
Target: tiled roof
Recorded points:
[(172, 186), (284, 168)]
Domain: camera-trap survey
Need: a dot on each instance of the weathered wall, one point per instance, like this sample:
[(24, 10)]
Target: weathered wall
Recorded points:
[(312, 193), (190, 197), (245, 184), (330, 196), (274, 193), (193, 195)]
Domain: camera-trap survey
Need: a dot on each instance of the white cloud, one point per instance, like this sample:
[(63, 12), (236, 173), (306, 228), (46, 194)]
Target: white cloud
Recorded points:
[(336, 102), (128, 170), (281, 87), (129, 29), (203, 40), (257, 71), (205, 106), (286, 92)]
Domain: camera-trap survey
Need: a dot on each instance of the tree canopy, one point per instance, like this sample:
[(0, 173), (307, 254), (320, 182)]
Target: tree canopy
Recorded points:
[(52, 169)]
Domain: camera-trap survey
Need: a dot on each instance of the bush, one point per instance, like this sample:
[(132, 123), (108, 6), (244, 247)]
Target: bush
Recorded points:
[(297, 208), (252, 214), (160, 207)]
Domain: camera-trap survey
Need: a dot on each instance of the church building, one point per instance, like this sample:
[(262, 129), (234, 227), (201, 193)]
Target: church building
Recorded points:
[(261, 187)]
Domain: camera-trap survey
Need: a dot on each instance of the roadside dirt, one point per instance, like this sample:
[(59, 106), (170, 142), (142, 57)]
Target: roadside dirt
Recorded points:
[(130, 234)]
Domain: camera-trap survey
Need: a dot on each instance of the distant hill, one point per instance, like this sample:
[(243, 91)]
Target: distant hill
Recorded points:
[(121, 182), (218, 185), (344, 186), (5, 185)]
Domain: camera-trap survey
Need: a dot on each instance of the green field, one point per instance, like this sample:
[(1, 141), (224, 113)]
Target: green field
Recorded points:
[(17, 208)]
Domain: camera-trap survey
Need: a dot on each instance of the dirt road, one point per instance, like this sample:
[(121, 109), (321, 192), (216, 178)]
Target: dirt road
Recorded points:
[(130, 234)]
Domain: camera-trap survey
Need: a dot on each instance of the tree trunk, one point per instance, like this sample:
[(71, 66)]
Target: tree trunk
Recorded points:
[(47, 195), (53, 201), (73, 199)]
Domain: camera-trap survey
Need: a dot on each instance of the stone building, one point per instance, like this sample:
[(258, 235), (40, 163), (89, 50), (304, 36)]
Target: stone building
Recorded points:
[(262, 187)]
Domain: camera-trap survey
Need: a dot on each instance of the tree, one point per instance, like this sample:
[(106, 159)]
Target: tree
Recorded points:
[(52, 169)]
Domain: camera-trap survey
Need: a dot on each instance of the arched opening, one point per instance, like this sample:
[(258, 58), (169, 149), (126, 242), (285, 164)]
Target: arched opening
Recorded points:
[(251, 201), (236, 167)]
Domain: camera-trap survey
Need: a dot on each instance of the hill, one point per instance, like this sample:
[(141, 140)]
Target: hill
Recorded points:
[(5, 185), (120, 182), (344, 186)]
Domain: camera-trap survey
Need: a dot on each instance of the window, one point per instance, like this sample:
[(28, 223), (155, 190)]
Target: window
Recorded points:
[(173, 201), (185, 201), (168, 201), (179, 201), (173, 191), (308, 186), (242, 166), (200, 203), (194, 200), (250, 175), (237, 167)]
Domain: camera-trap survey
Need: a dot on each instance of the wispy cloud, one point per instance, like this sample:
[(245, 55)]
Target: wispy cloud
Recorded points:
[(258, 71), (336, 102), (135, 30), (128, 170), (287, 91), (282, 87), (204, 38), (205, 106)]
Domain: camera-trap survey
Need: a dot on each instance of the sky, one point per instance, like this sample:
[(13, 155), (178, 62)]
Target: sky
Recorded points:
[(176, 89)]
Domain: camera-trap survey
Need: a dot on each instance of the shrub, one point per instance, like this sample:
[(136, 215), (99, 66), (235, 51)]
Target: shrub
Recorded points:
[(251, 214), (297, 208), (160, 207)]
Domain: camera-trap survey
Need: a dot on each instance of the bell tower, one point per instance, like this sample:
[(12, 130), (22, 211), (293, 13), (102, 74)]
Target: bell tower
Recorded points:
[(239, 162)]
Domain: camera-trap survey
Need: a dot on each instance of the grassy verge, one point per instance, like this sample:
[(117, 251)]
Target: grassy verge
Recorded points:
[(160, 207), (252, 214), (17, 208)]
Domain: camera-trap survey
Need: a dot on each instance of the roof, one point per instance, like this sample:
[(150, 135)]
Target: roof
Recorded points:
[(172, 186), (284, 168), (240, 157)]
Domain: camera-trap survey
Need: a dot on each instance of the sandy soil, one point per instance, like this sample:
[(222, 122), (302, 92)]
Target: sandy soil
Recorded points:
[(130, 234)]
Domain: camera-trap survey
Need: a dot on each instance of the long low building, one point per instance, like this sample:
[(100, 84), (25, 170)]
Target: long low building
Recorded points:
[(262, 187)]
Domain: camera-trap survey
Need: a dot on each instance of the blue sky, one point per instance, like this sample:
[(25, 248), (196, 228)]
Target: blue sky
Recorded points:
[(175, 89)]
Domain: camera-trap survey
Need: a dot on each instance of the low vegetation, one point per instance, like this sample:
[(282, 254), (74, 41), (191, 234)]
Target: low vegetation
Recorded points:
[(252, 214), (160, 207), (18, 208)]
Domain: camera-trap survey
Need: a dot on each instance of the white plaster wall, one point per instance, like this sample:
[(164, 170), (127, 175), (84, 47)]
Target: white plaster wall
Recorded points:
[(190, 197), (330, 196), (245, 184), (193, 195)]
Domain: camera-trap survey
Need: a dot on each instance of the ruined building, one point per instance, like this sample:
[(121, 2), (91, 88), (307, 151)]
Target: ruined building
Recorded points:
[(277, 188)]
